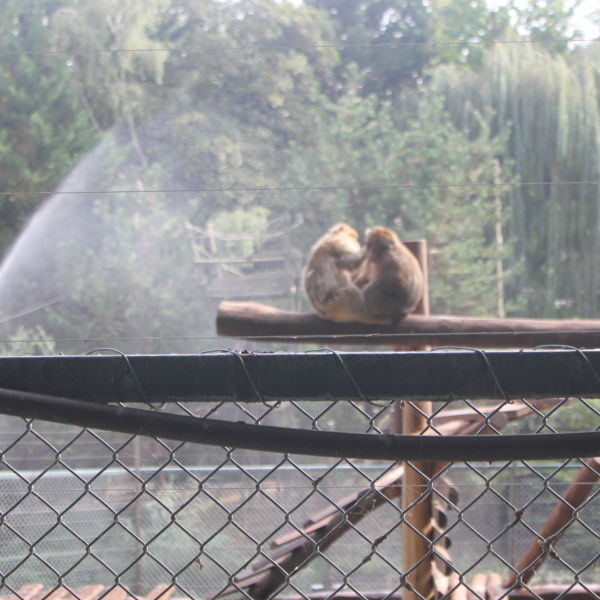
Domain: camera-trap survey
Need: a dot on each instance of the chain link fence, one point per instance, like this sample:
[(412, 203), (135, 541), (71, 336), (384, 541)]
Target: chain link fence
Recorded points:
[(90, 514)]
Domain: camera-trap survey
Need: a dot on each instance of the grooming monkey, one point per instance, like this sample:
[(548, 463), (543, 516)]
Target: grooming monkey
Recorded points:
[(328, 278), (390, 277)]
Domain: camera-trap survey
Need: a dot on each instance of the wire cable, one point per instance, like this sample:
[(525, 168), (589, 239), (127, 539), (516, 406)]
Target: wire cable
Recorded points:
[(339, 46), (304, 338), (305, 188)]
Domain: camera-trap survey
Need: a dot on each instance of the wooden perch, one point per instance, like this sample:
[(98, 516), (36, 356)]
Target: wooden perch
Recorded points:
[(294, 549), (254, 321)]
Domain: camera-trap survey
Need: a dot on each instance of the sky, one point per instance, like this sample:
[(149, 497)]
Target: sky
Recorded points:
[(583, 21)]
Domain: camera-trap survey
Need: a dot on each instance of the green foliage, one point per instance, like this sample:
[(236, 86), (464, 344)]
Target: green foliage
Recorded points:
[(545, 20), (243, 224), (549, 106), (365, 147), (369, 28), (28, 342), (292, 111), (574, 415), (44, 128), (471, 22)]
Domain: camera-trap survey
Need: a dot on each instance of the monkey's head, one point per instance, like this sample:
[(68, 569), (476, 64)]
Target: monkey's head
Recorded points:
[(379, 241), (344, 230)]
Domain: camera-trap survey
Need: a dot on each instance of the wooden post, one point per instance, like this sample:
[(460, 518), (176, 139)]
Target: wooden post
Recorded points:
[(562, 513), (413, 422), (499, 239), (414, 547), (419, 249), (137, 516)]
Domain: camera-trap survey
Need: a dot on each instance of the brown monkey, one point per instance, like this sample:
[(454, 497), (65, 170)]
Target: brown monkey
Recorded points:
[(328, 278), (390, 277)]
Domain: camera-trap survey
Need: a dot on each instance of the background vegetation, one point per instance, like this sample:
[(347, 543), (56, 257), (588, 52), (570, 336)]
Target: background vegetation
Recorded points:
[(348, 98)]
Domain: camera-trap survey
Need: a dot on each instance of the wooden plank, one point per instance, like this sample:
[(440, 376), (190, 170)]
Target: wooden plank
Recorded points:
[(117, 593), (550, 592), (392, 477), (89, 592), (515, 411), (458, 591), (27, 591), (296, 552), (241, 259), (546, 592), (161, 590), (440, 581), (58, 594), (494, 588), (253, 320), (322, 518), (477, 591)]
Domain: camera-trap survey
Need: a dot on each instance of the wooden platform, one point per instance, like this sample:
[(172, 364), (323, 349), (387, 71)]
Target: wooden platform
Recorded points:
[(261, 322), (36, 591), (546, 592)]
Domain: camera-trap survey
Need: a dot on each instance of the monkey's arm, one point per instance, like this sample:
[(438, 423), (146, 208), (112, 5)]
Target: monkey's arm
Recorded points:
[(351, 261), (362, 275)]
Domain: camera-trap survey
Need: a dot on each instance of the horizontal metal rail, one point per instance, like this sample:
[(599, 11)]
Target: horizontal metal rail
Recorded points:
[(448, 375), (299, 441)]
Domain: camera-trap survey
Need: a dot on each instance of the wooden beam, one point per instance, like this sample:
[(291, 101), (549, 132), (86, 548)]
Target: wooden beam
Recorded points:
[(253, 320), (561, 515), (26, 592), (161, 591), (298, 549), (88, 592), (545, 592), (416, 505), (477, 591), (417, 561)]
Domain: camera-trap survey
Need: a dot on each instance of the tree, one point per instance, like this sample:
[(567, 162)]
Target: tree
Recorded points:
[(549, 106), (545, 20), (366, 148), (367, 32), (44, 127), (469, 26)]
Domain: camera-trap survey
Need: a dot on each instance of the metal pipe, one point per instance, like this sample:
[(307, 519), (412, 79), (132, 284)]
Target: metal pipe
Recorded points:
[(298, 441), (418, 376)]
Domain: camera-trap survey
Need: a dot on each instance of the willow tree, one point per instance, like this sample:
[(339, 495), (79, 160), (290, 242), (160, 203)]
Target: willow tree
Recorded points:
[(549, 106)]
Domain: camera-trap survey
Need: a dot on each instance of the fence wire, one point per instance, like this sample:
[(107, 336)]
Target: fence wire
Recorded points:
[(89, 514)]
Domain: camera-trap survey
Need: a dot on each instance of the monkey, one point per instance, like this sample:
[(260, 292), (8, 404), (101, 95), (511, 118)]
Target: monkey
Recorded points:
[(328, 281), (390, 276)]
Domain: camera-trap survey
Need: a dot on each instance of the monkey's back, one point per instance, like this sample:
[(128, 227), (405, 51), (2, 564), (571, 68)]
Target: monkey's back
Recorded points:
[(408, 273), (328, 269), (395, 278)]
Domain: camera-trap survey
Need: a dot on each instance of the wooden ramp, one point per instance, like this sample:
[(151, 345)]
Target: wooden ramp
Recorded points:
[(36, 591)]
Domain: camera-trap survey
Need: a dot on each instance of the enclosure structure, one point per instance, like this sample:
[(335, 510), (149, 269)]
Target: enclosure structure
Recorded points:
[(264, 273), (446, 474), (417, 332), (311, 503)]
